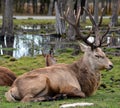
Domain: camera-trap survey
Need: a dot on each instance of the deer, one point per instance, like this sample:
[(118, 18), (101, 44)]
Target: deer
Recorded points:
[(49, 58), (79, 79), (7, 77)]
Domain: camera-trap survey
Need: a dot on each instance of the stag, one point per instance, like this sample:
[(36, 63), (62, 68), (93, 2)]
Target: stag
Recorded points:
[(79, 79), (7, 77)]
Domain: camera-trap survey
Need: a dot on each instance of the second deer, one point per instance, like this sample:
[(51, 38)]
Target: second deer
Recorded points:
[(49, 58)]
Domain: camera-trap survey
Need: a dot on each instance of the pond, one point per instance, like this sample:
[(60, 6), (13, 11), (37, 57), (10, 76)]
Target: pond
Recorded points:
[(31, 44), (29, 40)]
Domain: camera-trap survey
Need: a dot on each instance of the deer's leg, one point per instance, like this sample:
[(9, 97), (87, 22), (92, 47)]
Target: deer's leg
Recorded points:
[(27, 98), (59, 96), (41, 99), (73, 92), (49, 98)]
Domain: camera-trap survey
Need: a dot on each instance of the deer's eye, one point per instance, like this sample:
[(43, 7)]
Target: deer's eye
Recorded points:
[(97, 56)]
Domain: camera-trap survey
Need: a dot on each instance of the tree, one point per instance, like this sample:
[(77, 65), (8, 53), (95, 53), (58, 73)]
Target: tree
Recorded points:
[(19, 5), (7, 26), (84, 13), (96, 4), (62, 6), (0, 6), (34, 3), (51, 5), (114, 18), (71, 32)]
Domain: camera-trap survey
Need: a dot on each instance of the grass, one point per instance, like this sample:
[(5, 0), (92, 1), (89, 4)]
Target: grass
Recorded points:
[(31, 21), (107, 96)]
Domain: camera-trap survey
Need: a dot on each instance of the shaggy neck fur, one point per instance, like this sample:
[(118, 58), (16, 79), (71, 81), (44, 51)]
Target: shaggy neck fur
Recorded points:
[(88, 78)]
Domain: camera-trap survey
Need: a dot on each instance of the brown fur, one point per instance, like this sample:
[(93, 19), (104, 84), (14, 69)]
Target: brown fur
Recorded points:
[(79, 79), (49, 59), (6, 77)]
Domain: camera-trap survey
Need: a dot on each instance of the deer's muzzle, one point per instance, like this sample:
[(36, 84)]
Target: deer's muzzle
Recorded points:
[(110, 67)]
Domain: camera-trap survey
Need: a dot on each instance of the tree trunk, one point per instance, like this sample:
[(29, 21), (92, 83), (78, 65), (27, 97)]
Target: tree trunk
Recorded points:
[(34, 3), (0, 6), (96, 10), (6, 35), (71, 32), (60, 24), (84, 13), (51, 5), (20, 6), (114, 18)]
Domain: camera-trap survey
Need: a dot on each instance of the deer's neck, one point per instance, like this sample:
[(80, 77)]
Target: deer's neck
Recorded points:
[(86, 75), (82, 65)]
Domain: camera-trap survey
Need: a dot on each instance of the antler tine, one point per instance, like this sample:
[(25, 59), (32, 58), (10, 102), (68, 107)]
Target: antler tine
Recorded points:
[(102, 42), (90, 16), (101, 17), (76, 27), (78, 16), (67, 11), (103, 36), (65, 17)]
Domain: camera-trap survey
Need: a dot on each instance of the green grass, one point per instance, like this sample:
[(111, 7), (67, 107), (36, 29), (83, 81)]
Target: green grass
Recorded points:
[(31, 21), (105, 97)]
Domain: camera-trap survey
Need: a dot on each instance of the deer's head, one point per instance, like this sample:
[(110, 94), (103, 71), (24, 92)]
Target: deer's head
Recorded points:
[(93, 53), (96, 58)]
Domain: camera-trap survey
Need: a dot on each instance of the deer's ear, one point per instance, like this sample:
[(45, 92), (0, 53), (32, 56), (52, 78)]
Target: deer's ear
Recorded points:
[(83, 47)]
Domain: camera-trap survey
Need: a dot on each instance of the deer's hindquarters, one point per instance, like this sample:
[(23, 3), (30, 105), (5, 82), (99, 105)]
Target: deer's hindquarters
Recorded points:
[(6, 77)]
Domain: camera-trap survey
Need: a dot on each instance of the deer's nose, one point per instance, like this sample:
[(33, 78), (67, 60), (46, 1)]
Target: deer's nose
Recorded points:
[(110, 67)]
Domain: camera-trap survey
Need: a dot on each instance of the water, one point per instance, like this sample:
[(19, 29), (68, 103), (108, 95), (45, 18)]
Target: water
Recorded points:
[(31, 45)]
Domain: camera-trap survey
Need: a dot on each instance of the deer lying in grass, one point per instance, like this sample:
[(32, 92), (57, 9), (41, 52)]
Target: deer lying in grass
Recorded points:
[(49, 58), (7, 77), (79, 79)]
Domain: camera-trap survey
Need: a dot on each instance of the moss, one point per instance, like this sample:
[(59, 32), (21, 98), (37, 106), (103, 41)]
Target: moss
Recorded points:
[(31, 21)]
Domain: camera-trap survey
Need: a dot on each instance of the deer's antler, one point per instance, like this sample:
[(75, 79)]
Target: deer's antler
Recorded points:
[(99, 40)]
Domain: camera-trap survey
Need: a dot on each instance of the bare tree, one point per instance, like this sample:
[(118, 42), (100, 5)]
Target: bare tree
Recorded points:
[(60, 24), (34, 4), (6, 34), (0, 6), (71, 32), (51, 5), (84, 13), (114, 18), (96, 4), (62, 6)]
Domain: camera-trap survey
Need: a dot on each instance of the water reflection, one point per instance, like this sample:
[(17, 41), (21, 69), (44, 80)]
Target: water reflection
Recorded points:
[(33, 44), (30, 45)]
